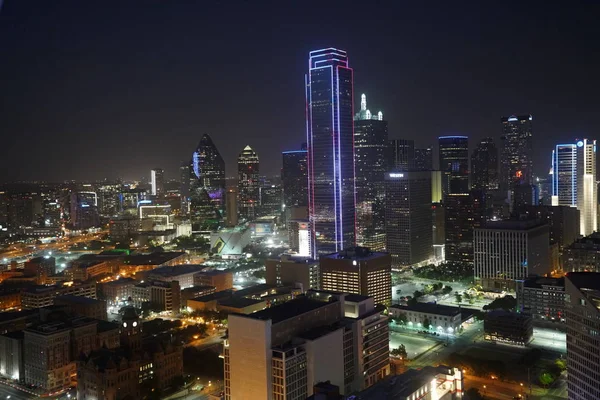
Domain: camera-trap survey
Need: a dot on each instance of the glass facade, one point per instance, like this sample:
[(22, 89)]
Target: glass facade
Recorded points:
[(248, 182), (454, 164), (294, 178), (564, 175), (330, 134), (517, 152)]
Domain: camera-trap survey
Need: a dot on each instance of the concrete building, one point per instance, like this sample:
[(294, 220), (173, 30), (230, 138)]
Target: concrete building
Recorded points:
[(428, 383), (106, 374), (146, 262), (409, 236), (183, 274), (506, 251), (442, 319), (231, 217), (583, 255), (12, 365), (542, 298), (583, 316), (563, 222), (162, 296), (220, 280), (119, 290), (299, 236), (283, 351), (85, 306), (358, 270), (195, 292), (43, 296), (463, 212), (289, 270), (41, 268), (508, 327)]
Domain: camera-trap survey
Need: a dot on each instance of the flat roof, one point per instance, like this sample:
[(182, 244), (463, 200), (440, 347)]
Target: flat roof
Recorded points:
[(177, 270), (539, 282), (120, 281), (319, 331), (239, 302), (520, 225), (289, 309), (254, 289), (355, 253), (78, 299), (223, 294), (105, 326), (197, 288), (152, 258), (585, 280), (356, 298), (215, 272), (429, 308), (19, 335)]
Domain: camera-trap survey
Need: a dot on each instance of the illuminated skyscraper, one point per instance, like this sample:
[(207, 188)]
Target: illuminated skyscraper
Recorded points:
[(484, 166), (294, 178), (207, 183), (403, 154), (587, 193), (248, 184), (454, 164), (330, 134), (424, 159), (516, 168), (564, 175), (157, 180), (371, 148)]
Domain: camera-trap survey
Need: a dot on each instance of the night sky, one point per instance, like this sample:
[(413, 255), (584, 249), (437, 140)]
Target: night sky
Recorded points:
[(106, 89)]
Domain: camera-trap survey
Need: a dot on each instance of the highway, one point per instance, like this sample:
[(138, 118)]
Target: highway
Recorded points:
[(7, 392)]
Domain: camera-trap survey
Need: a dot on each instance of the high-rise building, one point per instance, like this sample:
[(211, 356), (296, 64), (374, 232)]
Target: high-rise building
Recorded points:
[(185, 176), (248, 185), (587, 190), (564, 175), (207, 182), (84, 210), (583, 313), (157, 181), (294, 178), (484, 166), (506, 251), (403, 154), (329, 95), (291, 270), (563, 222), (516, 167), (454, 164), (583, 255), (299, 236), (270, 200), (370, 163), (231, 208), (41, 268), (409, 237), (424, 159), (358, 270), (463, 212), (282, 352)]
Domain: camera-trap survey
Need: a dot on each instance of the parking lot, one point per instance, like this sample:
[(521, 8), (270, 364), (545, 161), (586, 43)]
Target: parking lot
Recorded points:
[(415, 345)]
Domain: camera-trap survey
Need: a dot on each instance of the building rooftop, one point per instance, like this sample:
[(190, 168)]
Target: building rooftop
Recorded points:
[(79, 299), (12, 315), (238, 302), (404, 385), (539, 282), (356, 298), (49, 328), (153, 258), (355, 253), (19, 335), (256, 289), (215, 272), (514, 224), (585, 280), (37, 260), (105, 326), (177, 270), (430, 308), (289, 309), (199, 288), (507, 315), (121, 282), (223, 294), (320, 331)]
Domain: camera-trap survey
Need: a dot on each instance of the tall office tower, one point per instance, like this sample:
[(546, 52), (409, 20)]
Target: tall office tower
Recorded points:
[(370, 164), (403, 154), (587, 191), (509, 250), (109, 204), (563, 222), (484, 166), (299, 236), (294, 178), (208, 172), (463, 212), (184, 185), (409, 237), (564, 175), (283, 351), (330, 136), (583, 313), (270, 200), (248, 186), (231, 207), (358, 270), (516, 170), (84, 210), (454, 164), (424, 159), (157, 180)]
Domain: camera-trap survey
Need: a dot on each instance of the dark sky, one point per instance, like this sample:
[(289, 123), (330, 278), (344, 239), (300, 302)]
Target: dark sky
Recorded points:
[(92, 89)]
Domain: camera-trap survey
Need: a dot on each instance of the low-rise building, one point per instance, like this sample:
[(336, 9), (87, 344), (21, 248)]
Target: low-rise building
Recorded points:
[(10, 298), (41, 268), (82, 271), (583, 255), (108, 374), (508, 327), (440, 318), (542, 298), (195, 292), (289, 270), (184, 274), (162, 296), (11, 355), (119, 290), (84, 306), (43, 296), (428, 383), (133, 264), (221, 280)]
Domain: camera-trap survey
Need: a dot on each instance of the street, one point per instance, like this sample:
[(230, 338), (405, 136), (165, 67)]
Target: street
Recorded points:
[(7, 392)]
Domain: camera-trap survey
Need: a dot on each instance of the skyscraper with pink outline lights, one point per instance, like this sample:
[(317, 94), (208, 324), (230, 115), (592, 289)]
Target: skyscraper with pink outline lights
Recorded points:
[(330, 137)]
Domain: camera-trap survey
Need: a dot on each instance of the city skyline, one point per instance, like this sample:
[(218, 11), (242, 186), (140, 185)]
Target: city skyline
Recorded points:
[(173, 96)]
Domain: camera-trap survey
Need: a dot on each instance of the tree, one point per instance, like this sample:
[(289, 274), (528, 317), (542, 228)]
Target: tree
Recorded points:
[(426, 323), (507, 303), (401, 319), (561, 363), (417, 294), (447, 289), (458, 297), (546, 378), (400, 352)]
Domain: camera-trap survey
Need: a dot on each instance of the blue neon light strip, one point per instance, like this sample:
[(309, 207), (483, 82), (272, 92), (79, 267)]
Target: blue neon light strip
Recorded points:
[(294, 151), (453, 137)]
